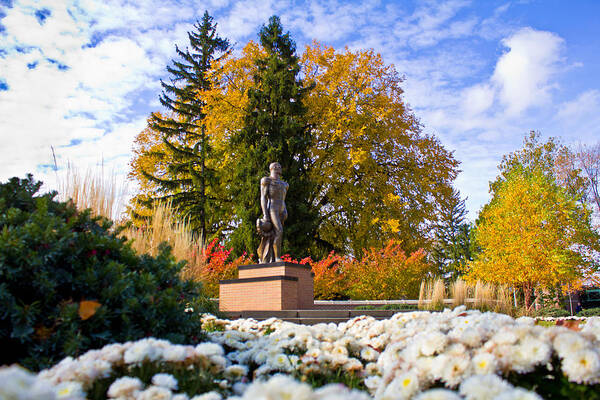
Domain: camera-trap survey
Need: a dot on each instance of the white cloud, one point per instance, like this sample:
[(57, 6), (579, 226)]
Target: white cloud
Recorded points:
[(478, 98), (524, 73)]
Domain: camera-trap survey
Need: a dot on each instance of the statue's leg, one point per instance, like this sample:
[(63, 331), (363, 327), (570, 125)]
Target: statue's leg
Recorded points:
[(260, 252), (278, 237)]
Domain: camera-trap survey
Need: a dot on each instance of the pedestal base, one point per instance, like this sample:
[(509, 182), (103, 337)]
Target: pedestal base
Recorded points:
[(272, 286)]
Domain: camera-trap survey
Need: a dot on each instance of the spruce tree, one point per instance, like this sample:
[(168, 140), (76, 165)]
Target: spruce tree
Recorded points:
[(274, 129), (189, 182), (452, 244)]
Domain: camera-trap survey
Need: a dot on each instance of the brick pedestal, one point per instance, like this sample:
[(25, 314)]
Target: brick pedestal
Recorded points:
[(272, 286)]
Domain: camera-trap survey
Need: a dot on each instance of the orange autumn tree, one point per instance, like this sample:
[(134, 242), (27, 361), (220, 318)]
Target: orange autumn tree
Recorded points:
[(381, 274), (532, 234), (386, 273)]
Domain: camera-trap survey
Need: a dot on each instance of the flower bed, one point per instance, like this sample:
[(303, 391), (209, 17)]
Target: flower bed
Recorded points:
[(455, 354)]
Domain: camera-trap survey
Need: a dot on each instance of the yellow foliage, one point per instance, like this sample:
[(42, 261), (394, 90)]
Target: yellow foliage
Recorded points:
[(529, 235)]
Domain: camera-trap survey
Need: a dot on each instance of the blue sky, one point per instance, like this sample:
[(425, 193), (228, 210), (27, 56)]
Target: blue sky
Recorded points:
[(82, 76)]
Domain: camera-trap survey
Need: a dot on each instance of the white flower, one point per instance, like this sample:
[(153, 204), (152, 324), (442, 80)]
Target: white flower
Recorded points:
[(453, 370), (369, 354), (404, 386), (124, 387), (155, 393), (18, 383), (209, 349), (165, 380), (483, 387), (432, 343), (280, 362), (582, 366), (208, 396), (372, 382), (278, 387), (484, 363), (175, 353), (339, 392), (142, 350), (518, 394), (569, 343), (70, 391), (438, 394), (235, 372)]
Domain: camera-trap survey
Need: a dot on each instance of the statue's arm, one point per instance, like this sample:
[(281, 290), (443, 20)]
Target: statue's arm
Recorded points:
[(264, 187)]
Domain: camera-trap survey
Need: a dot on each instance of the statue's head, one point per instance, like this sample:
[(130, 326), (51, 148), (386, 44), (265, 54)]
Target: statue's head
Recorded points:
[(275, 167)]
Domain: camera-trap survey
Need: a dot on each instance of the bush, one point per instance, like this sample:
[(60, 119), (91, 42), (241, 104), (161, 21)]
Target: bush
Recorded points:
[(552, 312), (68, 284), (590, 312), (386, 273)]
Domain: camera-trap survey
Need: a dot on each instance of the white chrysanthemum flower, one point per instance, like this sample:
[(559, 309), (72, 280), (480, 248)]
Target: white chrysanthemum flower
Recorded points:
[(483, 387), (165, 380), (582, 366), (16, 383), (372, 383), (569, 343), (124, 387), (505, 336), (338, 392), (432, 343), (371, 369), (369, 354), (531, 352), (280, 362), (404, 386), (313, 352), (278, 387), (142, 350), (209, 349), (155, 393), (592, 327), (208, 396), (438, 394), (69, 391), (484, 363), (454, 370), (353, 365), (219, 362), (175, 353), (180, 396), (518, 394), (235, 372)]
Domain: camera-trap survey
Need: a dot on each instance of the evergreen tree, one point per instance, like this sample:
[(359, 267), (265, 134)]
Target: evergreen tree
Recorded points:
[(452, 244), (274, 129), (188, 180)]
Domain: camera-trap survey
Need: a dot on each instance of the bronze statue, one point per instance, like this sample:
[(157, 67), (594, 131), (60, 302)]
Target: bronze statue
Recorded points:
[(270, 226)]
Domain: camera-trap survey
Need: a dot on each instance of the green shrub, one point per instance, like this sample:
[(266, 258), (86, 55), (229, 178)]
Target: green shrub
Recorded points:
[(552, 312), (68, 284), (590, 312)]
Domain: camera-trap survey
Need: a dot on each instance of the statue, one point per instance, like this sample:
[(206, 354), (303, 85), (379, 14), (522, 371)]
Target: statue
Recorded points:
[(270, 226)]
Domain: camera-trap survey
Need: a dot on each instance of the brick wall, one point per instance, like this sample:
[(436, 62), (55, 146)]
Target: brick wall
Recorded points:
[(258, 294), (275, 292)]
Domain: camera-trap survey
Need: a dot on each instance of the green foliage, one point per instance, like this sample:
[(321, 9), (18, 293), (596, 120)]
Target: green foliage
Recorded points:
[(192, 378), (275, 129), (189, 178), (552, 384), (590, 312), (552, 312), (452, 243), (399, 307), (69, 284)]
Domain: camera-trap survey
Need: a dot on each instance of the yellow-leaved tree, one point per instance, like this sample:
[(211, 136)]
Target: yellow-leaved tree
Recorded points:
[(533, 233), (376, 176)]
